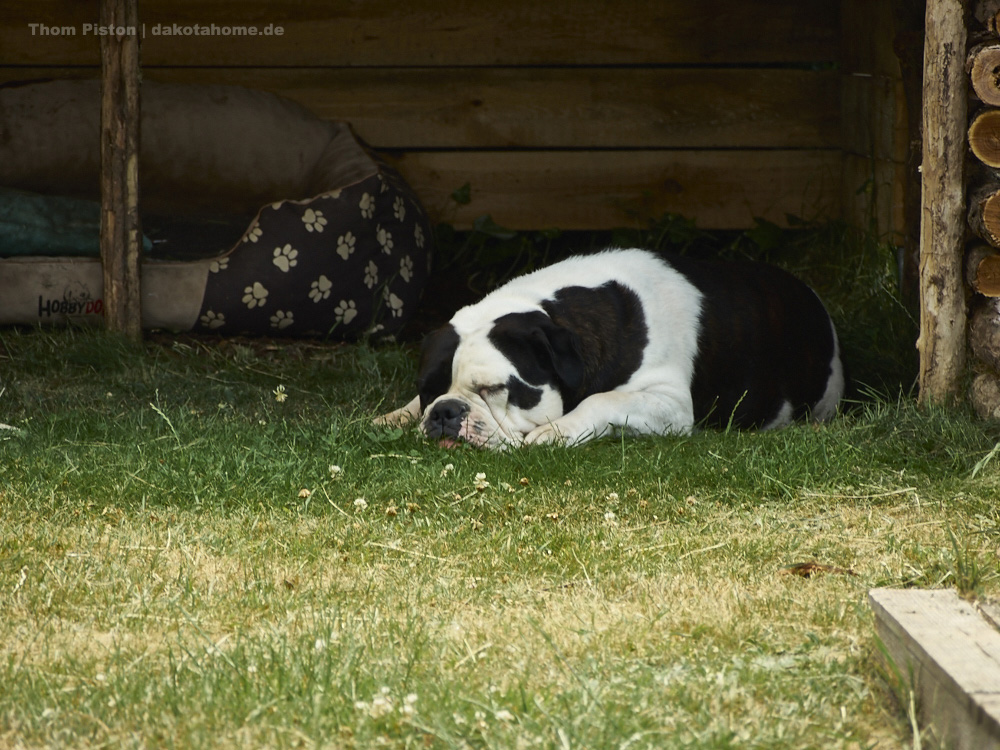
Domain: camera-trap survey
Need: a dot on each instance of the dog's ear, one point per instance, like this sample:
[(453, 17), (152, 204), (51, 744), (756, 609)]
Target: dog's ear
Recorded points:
[(540, 349), (436, 355), (562, 348)]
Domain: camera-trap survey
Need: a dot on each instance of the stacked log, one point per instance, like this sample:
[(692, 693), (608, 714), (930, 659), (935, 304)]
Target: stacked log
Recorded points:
[(982, 260)]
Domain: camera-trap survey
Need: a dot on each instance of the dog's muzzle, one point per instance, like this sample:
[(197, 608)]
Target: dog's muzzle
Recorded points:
[(445, 418)]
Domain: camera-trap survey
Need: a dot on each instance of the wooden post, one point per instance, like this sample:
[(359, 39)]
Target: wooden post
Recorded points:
[(121, 235), (942, 227)]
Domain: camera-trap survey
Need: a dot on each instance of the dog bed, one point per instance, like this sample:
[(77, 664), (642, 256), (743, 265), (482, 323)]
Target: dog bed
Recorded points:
[(313, 234)]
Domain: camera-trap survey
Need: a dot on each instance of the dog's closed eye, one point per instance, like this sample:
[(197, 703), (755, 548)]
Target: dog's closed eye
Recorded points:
[(491, 390)]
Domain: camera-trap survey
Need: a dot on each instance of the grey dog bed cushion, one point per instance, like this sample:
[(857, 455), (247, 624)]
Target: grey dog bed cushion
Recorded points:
[(338, 245)]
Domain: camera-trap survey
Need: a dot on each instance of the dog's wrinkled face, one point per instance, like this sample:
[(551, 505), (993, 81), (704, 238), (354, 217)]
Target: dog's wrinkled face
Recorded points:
[(492, 387)]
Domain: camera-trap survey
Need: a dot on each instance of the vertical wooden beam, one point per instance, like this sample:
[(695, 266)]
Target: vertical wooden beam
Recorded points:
[(121, 235), (942, 227)]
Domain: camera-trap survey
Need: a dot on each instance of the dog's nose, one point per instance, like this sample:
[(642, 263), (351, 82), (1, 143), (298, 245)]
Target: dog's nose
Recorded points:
[(445, 419)]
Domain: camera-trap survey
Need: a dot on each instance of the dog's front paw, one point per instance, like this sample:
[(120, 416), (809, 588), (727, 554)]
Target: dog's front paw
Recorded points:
[(401, 417), (546, 434), (559, 432)]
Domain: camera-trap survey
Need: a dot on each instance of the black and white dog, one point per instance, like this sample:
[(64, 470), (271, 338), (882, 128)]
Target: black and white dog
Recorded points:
[(630, 340)]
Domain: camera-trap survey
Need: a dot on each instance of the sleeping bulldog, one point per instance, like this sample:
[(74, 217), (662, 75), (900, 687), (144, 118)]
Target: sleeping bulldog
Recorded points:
[(627, 340)]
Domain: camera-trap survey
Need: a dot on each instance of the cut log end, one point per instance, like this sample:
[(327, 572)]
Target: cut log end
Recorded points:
[(985, 73), (982, 271), (984, 137), (984, 213), (984, 395), (984, 333)]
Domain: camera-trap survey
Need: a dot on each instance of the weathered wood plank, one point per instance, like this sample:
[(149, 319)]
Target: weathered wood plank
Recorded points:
[(121, 233), (873, 195), (441, 32), (404, 108), (601, 189), (942, 228), (866, 27), (954, 658)]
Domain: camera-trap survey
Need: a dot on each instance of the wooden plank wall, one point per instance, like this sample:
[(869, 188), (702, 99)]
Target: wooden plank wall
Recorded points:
[(874, 120), (571, 114)]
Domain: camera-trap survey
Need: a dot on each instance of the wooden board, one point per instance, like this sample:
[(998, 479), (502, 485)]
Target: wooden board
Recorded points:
[(440, 32), (601, 189), (873, 194), (953, 655), (406, 108)]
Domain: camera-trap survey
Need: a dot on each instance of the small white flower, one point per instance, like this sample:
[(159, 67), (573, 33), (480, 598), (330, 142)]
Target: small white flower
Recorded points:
[(335, 471), (409, 708), (406, 268), (360, 504), (381, 705), (448, 469), (320, 289), (612, 497), (255, 296), (285, 257), (384, 237), (367, 206), (399, 208), (279, 394), (314, 220), (481, 483), (305, 494), (610, 517), (345, 245)]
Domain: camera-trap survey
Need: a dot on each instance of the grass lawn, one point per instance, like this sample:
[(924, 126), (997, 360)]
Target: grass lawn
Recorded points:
[(203, 543)]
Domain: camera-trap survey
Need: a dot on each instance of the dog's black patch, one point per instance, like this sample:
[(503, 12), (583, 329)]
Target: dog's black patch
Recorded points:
[(588, 340), (436, 355), (610, 328), (522, 395), (542, 352), (764, 339)]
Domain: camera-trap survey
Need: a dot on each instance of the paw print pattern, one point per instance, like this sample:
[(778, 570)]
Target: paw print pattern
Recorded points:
[(253, 234), (255, 295), (213, 320), (314, 220), (384, 237), (320, 289), (346, 311), (345, 245), (285, 257), (371, 274), (406, 268), (395, 305), (367, 206), (281, 320), (352, 259)]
